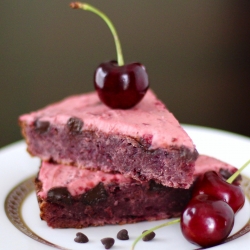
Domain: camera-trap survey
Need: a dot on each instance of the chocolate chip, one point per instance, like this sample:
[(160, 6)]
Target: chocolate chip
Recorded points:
[(59, 195), (95, 195), (122, 235), (149, 236), (81, 238), (108, 242), (41, 126), (75, 125)]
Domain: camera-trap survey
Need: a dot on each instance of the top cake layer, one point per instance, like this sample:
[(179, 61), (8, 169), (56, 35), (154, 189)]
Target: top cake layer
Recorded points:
[(144, 143), (149, 119)]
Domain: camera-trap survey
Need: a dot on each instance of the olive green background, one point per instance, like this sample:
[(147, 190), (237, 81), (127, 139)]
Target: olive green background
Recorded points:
[(197, 54)]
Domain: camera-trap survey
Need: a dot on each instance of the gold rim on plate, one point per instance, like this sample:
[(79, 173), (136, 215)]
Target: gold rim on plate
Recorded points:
[(16, 197), (13, 205)]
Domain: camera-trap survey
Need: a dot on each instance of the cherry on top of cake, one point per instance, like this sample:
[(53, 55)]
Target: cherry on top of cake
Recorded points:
[(149, 119), (146, 119), (119, 85), (143, 140)]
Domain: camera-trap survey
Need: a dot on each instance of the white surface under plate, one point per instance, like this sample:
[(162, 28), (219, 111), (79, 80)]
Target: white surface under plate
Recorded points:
[(17, 165)]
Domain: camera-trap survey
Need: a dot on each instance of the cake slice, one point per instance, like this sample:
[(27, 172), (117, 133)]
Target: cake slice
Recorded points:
[(70, 197), (144, 143)]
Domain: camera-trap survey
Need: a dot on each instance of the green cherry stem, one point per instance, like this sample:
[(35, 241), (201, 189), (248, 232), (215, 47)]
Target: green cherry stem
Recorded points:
[(229, 180), (154, 228), (88, 7), (235, 175)]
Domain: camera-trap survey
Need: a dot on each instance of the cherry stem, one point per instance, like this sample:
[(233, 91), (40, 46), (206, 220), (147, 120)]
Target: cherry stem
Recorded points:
[(229, 180), (154, 228), (88, 7), (235, 175)]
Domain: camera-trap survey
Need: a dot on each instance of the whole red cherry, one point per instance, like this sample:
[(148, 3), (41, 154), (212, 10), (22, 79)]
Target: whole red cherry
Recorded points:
[(207, 221), (212, 184), (121, 87)]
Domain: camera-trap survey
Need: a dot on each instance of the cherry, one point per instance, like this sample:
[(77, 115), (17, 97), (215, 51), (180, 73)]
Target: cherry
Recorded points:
[(212, 184), (207, 221), (121, 87), (118, 86)]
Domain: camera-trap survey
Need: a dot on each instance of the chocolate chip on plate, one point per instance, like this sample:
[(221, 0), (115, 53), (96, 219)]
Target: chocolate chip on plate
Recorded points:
[(81, 238), (122, 235), (108, 242), (149, 236)]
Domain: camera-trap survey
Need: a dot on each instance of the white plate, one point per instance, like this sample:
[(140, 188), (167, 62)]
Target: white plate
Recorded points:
[(17, 165)]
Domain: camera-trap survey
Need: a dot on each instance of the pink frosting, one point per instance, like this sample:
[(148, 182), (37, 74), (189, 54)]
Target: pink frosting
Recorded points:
[(76, 180), (206, 163), (148, 119), (79, 181)]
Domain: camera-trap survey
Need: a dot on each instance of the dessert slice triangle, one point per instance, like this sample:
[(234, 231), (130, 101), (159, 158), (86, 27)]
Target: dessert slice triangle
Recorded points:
[(144, 143)]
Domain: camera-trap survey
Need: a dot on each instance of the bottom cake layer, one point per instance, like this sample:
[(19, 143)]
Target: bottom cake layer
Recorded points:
[(74, 198)]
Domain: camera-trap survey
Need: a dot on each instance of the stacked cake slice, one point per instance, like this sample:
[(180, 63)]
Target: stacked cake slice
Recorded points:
[(104, 166)]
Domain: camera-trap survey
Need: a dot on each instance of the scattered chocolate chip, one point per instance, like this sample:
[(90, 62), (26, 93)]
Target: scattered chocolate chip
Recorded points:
[(81, 238), (75, 125), (122, 235), (149, 236), (95, 195), (108, 242), (59, 195), (41, 126)]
